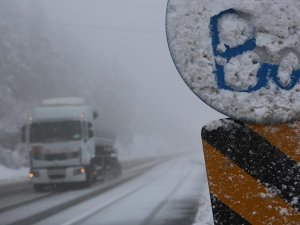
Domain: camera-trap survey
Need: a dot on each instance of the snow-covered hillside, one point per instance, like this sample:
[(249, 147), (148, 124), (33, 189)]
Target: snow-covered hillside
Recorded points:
[(36, 63)]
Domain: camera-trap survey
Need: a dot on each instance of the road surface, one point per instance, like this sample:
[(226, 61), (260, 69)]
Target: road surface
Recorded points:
[(161, 193)]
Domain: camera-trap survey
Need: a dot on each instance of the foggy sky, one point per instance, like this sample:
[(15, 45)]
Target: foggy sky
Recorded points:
[(130, 36)]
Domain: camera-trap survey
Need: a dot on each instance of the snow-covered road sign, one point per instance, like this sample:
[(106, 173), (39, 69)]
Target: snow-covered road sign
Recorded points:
[(267, 71), (240, 57), (253, 172)]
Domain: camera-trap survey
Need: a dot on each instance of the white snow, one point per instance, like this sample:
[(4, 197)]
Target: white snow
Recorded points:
[(8, 175), (244, 76), (234, 31), (164, 187), (204, 215), (284, 212), (213, 125), (288, 63), (277, 34)]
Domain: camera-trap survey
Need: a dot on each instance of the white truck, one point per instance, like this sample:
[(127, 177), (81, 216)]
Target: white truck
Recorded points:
[(63, 148)]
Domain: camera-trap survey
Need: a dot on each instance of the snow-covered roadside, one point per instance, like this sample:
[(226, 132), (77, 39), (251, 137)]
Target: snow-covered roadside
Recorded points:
[(8, 175), (204, 215)]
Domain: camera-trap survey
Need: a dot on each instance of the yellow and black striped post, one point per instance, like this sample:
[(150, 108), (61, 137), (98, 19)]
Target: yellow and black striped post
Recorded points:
[(253, 172)]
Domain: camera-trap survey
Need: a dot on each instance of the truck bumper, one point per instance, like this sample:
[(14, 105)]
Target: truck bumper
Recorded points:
[(57, 175)]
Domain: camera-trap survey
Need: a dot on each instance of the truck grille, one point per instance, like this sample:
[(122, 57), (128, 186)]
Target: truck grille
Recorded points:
[(57, 176), (56, 156), (56, 173)]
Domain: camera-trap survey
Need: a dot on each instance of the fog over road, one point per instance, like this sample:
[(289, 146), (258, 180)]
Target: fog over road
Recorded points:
[(127, 40)]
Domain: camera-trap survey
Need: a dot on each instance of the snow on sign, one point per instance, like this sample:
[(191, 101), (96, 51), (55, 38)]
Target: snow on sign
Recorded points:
[(240, 57), (253, 172)]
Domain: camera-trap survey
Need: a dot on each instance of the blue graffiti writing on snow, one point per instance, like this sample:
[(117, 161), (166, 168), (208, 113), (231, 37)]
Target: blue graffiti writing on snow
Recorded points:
[(266, 72)]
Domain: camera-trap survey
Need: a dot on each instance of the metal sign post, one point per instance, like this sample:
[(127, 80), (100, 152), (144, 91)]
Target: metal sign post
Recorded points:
[(242, 58)]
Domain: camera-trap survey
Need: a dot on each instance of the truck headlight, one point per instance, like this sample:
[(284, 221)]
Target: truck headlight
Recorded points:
[(80, 170), (33, 174)]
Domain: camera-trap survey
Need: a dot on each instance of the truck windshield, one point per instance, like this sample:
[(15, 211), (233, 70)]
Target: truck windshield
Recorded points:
[(49, 132)]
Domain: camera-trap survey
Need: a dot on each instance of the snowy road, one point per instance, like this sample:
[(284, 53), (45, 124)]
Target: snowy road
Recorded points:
[(168, 193), (20, 193)]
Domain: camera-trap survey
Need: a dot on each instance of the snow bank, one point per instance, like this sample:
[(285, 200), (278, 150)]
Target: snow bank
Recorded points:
[(16, 158), (204, 215), (274, 24), (8, 175)]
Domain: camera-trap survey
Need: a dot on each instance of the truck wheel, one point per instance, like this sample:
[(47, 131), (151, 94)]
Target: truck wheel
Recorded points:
[(88, 181), (90, 175)]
